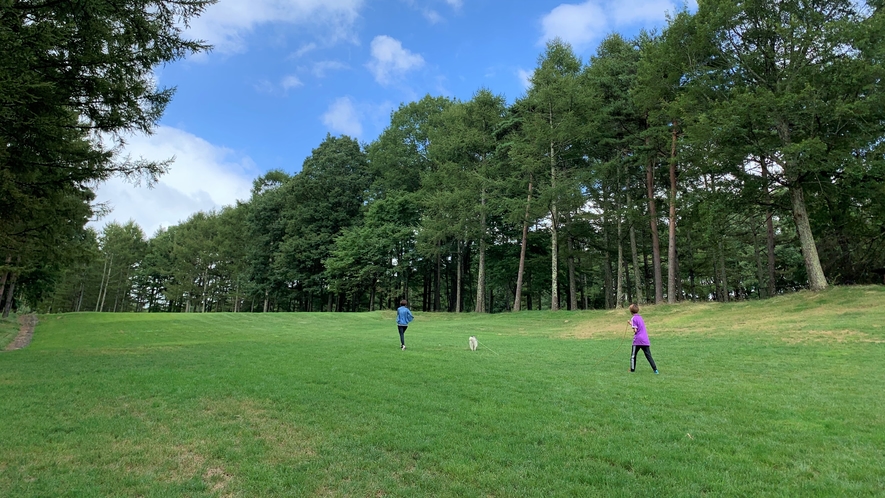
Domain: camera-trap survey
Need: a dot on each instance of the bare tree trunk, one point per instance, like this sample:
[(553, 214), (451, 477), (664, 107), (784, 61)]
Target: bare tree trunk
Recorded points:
[(79, 300), (769, 223), (554, 239), (816, 279), (672, 265), (4, 276), (637, 282), (8, 305), (653, 219), (724, 272), (104, 269), (3, 279), (205, 284), (438, 284), (517, 301), (691, 268), (607, 284), (458, 279), (481, 269), (583, 290), (107, 283), (237, 296), (619, 300), (572, 284)]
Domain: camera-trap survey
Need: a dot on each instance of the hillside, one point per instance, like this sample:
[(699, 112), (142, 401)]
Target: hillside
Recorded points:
[(772, 398)]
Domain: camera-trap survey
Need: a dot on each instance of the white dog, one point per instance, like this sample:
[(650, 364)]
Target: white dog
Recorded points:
[(473, 343)]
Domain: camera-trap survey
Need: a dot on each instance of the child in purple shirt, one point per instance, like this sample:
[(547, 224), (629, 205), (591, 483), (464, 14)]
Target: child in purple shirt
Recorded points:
[(640, 339)]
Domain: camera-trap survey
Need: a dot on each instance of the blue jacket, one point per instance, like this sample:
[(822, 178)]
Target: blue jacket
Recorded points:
[(403, 316)]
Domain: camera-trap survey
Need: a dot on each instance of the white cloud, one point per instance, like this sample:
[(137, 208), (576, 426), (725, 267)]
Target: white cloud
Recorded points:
[(321, 68), (203, 177), (390, 61), (588, 22), (432, 16), (303, 50), (456, 4), (525, 77), (264, 86), (226, 23), (291, 81), (343, 117)]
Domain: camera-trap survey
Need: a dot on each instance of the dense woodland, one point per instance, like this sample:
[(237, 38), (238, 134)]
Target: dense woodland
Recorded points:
[(738, 154)]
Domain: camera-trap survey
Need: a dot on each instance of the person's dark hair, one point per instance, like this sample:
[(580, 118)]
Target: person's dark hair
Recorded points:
[(634, 308), (403, 303)]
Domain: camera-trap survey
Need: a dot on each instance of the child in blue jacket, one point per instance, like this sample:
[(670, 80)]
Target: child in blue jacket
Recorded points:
[(403, 317)]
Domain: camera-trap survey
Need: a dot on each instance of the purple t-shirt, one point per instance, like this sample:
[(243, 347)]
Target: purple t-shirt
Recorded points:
[(640, 338)]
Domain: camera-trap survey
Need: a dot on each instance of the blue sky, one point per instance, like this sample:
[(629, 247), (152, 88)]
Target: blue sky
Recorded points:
[(284, 73)]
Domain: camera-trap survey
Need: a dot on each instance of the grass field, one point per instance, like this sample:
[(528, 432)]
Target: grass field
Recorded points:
[(8, 330), (775, 398)]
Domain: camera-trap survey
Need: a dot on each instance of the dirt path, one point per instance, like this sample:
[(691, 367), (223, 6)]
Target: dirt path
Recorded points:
[(25, 333)]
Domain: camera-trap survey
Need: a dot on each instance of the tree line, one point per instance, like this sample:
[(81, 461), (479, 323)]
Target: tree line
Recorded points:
[(737, 154)]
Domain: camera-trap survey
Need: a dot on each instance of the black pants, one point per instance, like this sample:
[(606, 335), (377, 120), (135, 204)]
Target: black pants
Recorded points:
[(402, 334), (647, 351)]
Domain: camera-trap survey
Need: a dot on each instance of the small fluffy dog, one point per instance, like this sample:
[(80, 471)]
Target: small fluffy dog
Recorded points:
[(473, 343)]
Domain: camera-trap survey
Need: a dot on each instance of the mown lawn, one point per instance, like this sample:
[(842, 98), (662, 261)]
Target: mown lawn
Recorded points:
[(775, 398)]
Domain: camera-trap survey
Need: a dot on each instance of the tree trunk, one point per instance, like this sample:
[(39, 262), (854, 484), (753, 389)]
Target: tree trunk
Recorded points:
[(607, 283), (436, 293), (619, 300), (458, 279), (672, 265), (637, 282), (104, 269), (517, 301), (205, 285), (3, 279), (653, 219), (79, 300), (107, 283), (237, 296), (554, 240), (481, 269), (760, 273), (769, 223), (724, 271), (572, 284), (691, 271), (816, 279), (584, 290), (8, 305)]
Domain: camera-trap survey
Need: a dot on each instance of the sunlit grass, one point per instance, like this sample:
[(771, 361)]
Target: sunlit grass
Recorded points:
[(773, 398)]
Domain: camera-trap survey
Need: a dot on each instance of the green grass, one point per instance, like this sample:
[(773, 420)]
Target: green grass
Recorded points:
[(8, 330), (775, 398)]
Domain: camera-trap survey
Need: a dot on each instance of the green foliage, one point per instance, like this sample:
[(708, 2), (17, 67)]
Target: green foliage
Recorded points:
[(768, 114), (76, 77)]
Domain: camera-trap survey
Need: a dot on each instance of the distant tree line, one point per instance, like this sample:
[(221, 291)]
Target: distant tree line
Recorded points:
[(737, 154)]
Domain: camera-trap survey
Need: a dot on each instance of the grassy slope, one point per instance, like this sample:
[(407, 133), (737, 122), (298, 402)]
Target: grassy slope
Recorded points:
[(8, 330), (774, 398)]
